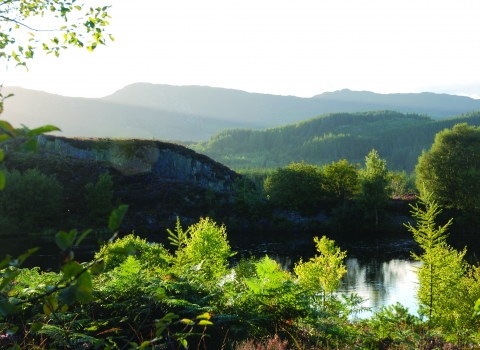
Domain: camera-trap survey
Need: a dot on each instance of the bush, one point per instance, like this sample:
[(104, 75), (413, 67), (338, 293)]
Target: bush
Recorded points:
[(296, 187), (322, 273), (30, 200), (206, 250), (149, 255), (451, 168)]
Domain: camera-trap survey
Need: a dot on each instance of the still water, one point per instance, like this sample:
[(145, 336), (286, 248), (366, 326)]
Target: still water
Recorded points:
[(380, 281)]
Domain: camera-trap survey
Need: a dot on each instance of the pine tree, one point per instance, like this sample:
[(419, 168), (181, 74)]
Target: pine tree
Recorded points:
[(443, 267), (374, 181)]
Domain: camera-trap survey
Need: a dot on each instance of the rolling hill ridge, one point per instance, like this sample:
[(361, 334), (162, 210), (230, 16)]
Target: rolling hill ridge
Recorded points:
[(399, 138), (196, 113)]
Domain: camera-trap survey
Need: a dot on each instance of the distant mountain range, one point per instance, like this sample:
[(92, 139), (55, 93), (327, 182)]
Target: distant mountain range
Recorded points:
[(197, 112)]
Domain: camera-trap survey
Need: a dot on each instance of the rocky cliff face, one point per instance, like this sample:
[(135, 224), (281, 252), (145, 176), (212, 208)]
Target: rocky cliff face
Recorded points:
[(159, 181), (165, 160)]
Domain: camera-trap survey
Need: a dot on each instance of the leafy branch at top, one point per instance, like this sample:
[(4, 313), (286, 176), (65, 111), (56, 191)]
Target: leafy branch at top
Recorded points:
[(87, 30)]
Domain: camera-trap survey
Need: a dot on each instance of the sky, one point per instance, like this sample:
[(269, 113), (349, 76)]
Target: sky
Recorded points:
[(300, 48)]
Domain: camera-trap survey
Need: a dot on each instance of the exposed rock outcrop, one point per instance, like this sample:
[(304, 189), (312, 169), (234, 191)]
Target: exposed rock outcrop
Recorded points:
[(165, 160)]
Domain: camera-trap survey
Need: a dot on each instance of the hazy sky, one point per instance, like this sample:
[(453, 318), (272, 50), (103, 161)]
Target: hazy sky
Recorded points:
[(300, 48)]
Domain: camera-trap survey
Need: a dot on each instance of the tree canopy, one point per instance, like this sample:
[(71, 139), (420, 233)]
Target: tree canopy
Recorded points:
[(451, 168), (295, 187), (374, 181), (398, 137), (340, 180)]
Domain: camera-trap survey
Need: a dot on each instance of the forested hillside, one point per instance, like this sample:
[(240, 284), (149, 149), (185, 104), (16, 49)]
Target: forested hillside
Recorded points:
[(196, 113), (399, 138)]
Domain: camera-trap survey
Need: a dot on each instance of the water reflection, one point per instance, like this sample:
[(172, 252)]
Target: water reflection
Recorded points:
[(382, 282), (379, 282)]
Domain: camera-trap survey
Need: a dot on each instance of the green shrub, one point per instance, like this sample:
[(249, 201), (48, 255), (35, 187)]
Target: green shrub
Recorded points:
[(31, 200), (395, 323), (99, 198), (296, 187), (150, 255), (206, 250), (123, 280), (322, 273), (448, 285), (268, 276)]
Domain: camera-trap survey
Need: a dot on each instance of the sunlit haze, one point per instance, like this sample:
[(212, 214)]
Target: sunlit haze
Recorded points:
[(300, 48)]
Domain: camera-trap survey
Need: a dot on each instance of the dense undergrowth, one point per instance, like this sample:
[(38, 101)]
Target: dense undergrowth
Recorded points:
[(143, 295)]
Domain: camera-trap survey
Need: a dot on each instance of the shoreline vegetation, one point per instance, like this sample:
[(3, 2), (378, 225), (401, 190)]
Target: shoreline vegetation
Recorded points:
[(264, 305)]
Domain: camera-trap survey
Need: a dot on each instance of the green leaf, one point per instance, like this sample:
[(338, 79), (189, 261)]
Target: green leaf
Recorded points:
[(25, 255), (204, 316), (29, 146), (78, 292), (81, 290), (98, 267), (116, 217), (12, 330), (68, 295), (158, 333), (50, 306), (84, 294), (205, 323), (83, 235), (9, 276), (130, 250), (184, 342), (7, 127), (36, 326), (7, 309), (5, 262), (187, 321), (15, 56), (2, 180), (4, 137), (42, 130), (144, 345), (71, 270), (64, 239), (170, 317), (476, 308)]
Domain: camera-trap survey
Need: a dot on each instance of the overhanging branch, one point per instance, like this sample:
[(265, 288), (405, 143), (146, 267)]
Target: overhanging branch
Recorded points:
[(24, 25), (6, 2)]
